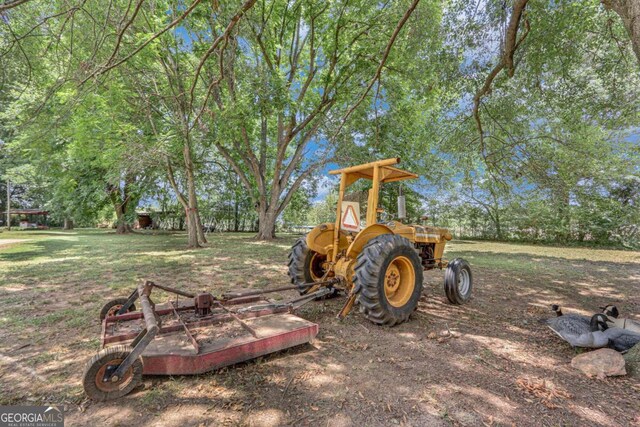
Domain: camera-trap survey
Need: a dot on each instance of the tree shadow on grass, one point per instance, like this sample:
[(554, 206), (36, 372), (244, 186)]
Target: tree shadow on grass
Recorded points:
[(356, 373), (352, 377), (36, 249)]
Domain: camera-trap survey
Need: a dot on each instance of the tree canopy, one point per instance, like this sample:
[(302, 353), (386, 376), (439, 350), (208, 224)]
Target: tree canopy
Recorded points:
[(521, 116)]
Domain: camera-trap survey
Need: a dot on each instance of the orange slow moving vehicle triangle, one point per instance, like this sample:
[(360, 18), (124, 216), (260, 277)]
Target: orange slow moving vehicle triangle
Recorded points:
[(350, 220)]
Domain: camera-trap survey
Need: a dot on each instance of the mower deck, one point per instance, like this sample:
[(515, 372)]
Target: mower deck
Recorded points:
[(192, 335), (186, 344)]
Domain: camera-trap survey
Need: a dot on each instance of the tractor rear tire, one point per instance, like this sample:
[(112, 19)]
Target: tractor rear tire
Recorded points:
[(305, 265), (388, 279), (458, 281)]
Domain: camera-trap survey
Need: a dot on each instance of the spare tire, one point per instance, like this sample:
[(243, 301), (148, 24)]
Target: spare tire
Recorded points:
[(458, 281)]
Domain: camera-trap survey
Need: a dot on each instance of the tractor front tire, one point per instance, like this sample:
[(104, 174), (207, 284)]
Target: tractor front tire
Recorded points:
[(305, 265), (388, 279), (458, 281)]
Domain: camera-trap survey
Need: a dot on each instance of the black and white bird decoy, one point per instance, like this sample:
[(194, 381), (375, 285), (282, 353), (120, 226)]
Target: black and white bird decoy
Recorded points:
[(619, 339), (611, 311), (574, 330)]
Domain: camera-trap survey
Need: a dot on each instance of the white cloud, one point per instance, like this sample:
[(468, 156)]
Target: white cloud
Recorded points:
[(325, 185)]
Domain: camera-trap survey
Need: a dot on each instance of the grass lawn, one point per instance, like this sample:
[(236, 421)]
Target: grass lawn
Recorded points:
[(53, 283)]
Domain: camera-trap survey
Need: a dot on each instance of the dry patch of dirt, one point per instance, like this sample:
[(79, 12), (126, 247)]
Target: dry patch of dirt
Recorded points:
[(490, 362), (7, 242)]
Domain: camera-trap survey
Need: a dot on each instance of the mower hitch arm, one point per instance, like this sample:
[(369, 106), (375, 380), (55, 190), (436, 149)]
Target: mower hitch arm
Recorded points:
[(231, 295), (148, 284), (144, 337)]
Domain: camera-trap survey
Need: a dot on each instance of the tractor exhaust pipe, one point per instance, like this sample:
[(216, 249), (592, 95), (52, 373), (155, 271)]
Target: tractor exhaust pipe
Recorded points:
[(402, 207)]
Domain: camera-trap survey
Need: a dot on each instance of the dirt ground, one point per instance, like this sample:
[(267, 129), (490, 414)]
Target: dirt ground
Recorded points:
[(499, 365), (7, 242)]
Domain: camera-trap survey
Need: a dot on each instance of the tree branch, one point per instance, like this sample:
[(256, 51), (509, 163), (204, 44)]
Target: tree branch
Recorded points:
[(11, 4), (107, 67), (629, 11), (296, 184), (383, 60), (225, 34), (506, 61), (174, 184), (236, 167)]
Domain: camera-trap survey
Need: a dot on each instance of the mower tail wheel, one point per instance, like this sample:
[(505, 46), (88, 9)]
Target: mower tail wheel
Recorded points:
[(389, 279), (113, 306), (109, 358), (458, 281)]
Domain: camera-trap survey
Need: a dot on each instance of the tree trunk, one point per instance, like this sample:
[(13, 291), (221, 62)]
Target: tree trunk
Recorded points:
[(8, 206), (194, 225), (192, 228), (498, 227), (189, 202), (236, 217), (267, 223), (563, 232), (68, 224), (629, 11), (121, 225), (236, 207), (120, 220), (123, 229), (236, 214), (122, 199), (201, 236)]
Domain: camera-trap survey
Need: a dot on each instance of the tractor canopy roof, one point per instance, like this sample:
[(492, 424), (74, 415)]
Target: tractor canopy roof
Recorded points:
[(387, 173)]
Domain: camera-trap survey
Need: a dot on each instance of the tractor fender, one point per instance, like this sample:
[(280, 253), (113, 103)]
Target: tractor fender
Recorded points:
[(363, 237), (320, 239)]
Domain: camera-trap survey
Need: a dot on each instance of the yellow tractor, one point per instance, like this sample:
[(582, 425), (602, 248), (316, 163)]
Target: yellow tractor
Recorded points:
[(379, 264)]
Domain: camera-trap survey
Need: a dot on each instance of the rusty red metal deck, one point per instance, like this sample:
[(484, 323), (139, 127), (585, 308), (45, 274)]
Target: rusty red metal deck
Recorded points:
[(186, 341)]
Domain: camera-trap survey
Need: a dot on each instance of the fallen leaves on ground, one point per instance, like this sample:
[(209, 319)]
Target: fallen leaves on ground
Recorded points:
[(543, 390)]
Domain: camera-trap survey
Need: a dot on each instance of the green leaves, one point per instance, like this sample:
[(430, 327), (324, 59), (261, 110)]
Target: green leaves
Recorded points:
[(269, 99)]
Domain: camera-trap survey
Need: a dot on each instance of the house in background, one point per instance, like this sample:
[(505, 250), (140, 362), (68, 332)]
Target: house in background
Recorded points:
[(31, 218), (143, 221)]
